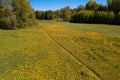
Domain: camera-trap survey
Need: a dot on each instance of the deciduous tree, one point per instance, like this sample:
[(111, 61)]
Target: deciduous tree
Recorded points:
[(114, 5)]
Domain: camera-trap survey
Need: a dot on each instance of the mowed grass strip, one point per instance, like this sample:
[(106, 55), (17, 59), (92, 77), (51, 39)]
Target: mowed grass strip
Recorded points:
[(99, 51), (29, 54)]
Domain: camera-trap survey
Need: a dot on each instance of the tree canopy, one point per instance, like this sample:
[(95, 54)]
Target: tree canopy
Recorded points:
[(114, 5), (16, 14)]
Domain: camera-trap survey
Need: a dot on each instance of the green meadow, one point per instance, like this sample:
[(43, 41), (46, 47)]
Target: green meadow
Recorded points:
[(60, 51)]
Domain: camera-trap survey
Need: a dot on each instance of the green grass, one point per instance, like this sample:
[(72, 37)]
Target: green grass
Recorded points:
[(99, 50), (101, 28), (31, 54)]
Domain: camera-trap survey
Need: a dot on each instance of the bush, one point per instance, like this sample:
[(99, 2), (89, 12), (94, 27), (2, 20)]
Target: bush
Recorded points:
[(94, 17), (16, 15), (110, 17), (117, 19), (84, 16), (7, 19), (104, 17), (100, 17)]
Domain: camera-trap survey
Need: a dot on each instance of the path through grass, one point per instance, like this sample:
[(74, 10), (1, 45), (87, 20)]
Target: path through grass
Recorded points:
[(99, 52), (30, 54), (67, 52)]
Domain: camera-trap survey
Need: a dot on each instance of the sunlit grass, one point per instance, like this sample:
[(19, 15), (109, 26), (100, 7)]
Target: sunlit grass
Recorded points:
[(29, 54), (100, 52)]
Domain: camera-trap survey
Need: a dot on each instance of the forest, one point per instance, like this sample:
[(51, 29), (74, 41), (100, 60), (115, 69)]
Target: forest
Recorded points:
[(19, 14), (92, 12)]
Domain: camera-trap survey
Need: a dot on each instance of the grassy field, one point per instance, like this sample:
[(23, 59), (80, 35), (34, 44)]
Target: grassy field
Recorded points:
[(61, 51)]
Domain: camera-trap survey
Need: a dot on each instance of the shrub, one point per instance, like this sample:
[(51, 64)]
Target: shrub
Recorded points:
[(7, 18), (104, 17), (84, 16), (117, 19), (110, 17), (95, 17), (17, 14), (100, 17)]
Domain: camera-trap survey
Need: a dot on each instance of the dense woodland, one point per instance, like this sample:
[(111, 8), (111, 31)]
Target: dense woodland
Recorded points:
[(92, 12), (19, 13)]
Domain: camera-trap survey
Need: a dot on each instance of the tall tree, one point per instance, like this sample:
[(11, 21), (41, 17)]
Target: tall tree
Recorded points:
[(80, 7), (57, 15), (49, 15), (24, 12), (40, 14), (67, 13), (91, 5), (114, 5)]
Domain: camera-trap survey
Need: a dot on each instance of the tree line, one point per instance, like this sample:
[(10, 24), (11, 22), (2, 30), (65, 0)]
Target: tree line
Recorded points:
[(16, 14), (92, 12), (63, 14), (19, 13)]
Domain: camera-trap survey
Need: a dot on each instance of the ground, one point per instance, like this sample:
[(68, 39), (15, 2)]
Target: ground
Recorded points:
[(61, 51)]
